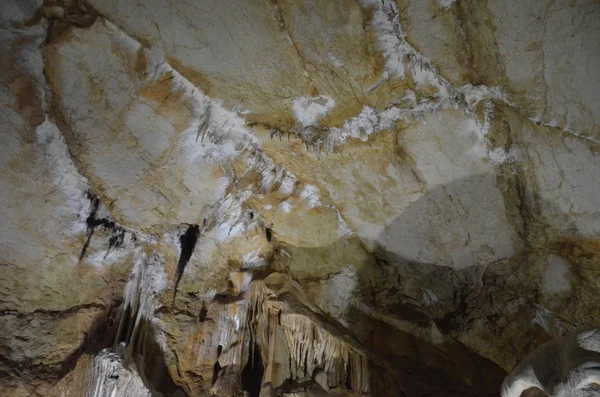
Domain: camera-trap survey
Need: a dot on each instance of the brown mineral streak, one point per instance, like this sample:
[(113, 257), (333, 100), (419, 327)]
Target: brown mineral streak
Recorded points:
[(194, 76)]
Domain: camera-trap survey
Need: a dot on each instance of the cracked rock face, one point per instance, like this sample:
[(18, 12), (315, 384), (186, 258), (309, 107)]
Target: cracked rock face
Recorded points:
[(294, 198)]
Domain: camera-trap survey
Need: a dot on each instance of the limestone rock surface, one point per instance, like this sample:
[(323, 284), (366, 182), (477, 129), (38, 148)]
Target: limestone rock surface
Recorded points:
[(297, 198)]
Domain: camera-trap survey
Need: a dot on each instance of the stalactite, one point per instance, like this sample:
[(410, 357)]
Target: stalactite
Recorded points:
[(204, 124), (273, 131), (294, 347), (148, 279), (109, 376), (119, 371), (312, 347), (187, 242), (233, 334), (257, 305)]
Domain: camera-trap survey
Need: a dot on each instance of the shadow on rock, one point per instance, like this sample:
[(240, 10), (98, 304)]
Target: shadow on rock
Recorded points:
[(455, 266)]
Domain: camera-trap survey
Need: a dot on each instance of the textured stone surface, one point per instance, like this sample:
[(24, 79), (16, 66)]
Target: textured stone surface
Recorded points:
[(549, 55), (148, 162), (390, 197), (544, 53)]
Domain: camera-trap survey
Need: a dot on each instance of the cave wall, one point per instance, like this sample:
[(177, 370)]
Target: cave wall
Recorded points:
[(417, 180)]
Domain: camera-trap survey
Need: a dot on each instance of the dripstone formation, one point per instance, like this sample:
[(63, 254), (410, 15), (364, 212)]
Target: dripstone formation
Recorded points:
[(297, 198)]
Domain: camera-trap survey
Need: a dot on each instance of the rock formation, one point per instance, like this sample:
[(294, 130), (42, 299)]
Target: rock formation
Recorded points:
[(569, 367), (294, 198)]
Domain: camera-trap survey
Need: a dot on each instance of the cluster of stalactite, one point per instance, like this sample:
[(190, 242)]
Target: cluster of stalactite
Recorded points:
[(267, 341), (119, 370), (295, 351), (111, 375)]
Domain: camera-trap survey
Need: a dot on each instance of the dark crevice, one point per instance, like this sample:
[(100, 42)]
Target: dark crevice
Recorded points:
[(187, 242), (217, 366), (92, 220), (348, 380), (87, 243), (202, 314), (225, 298), (269, 234), (252, 374), (116, 232)]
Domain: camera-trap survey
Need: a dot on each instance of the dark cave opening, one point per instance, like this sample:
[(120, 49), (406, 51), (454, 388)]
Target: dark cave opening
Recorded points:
[(217, 366), (252, 374), (348, 380)]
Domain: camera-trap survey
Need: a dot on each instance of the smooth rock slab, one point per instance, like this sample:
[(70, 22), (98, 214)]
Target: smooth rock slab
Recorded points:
[(131, 134)]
